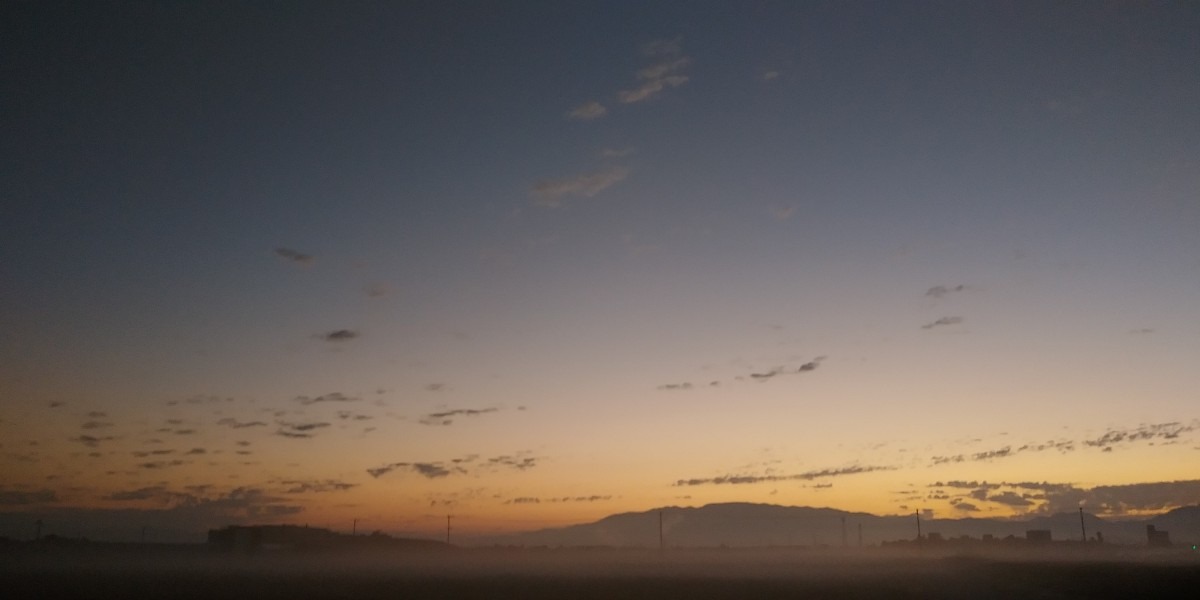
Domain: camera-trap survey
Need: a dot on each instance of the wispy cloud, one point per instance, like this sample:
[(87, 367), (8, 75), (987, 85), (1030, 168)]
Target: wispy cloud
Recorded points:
[(429, 470), (336, 397), (326, 485), (588, 111), (549, 193), (92, 441), (806, 476), (1159, 431), (446, 417), (459, 466), (294, 256), (666, 73), (663, 47), (299, 430), (560, 499), (651, 88), (338, 335), (941, 291), (942, 322), (233, 423), (777, 371), (675, 386)]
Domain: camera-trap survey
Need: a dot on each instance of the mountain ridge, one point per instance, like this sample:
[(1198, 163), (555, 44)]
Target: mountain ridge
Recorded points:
[(746, 524)]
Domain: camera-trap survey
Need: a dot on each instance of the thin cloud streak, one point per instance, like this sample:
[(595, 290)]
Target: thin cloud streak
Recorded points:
[(549, 193)]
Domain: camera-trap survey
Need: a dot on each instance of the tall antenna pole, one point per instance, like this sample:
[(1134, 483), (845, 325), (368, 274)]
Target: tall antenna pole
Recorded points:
[(844, 543), (447, 529), (661, 544), (918, 513), (354, 528), (1082, 527)]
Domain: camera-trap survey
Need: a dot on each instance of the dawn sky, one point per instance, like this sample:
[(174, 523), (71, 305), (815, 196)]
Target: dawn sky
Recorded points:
[(534, 263)]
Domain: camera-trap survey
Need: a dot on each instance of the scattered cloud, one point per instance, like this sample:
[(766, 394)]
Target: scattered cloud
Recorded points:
[(447, 417), (777, 371), (233, 423), (535, 500), (650, 88), (588, 111), (771, 75), (549, 193), (459, 466), (91, 441), (331, 397), (965, 506), (433, 470), (338, 335), (944, 321), (294, 256), (299, 430), (1009, 498), (326, 485), (162, 464), (941, 291), (1052, 498), (663, 47), (675, 386), (665, 73), (1160, 431)]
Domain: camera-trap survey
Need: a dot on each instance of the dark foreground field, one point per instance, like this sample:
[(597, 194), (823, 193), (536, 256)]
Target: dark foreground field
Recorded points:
[(594, 575)]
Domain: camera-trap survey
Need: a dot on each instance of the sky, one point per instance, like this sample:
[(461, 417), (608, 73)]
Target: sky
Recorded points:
[(530, 264)]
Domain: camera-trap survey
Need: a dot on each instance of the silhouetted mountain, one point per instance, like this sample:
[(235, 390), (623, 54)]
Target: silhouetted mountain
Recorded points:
[(746, 524)]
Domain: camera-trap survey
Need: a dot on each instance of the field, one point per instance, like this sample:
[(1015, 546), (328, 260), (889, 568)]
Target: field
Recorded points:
[(595, 574)]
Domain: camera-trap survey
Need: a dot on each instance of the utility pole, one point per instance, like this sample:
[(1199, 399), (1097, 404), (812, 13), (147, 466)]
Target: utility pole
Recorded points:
[(1082, 527), (844, 542), (918, 513), (447, 529), (354, 528)]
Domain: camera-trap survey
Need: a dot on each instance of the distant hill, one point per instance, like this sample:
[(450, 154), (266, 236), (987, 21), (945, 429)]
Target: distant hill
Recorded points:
[(311, 539), (747, 524)]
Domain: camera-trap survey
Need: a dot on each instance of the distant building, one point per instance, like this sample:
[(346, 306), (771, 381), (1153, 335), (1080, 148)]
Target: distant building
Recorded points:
[(1156, 538), (1038, 536)]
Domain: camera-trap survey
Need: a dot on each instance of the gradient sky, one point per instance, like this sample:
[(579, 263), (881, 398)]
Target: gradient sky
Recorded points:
[(533, 263)]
